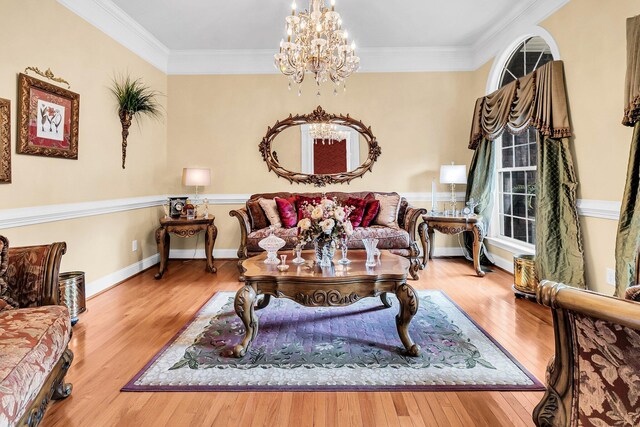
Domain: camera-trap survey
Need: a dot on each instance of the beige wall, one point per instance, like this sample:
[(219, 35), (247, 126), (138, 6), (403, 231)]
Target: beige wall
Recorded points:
[(592, 42), (421, 121), (45, 34)]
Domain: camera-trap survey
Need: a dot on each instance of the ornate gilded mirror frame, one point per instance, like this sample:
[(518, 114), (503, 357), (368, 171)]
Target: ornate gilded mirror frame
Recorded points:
[(319, 116)]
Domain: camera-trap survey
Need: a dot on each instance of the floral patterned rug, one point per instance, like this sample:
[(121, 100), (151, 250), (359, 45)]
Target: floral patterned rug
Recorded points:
[(346, 348)]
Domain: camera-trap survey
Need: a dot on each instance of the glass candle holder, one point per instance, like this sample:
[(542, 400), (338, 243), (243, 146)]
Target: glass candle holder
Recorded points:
[(344, 247)]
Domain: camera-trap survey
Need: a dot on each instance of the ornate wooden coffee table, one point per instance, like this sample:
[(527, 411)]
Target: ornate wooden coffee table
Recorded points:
[(335, 286)]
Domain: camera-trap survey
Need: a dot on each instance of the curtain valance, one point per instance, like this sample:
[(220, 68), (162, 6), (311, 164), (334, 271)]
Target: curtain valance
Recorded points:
[(537, 99), (632, 85)]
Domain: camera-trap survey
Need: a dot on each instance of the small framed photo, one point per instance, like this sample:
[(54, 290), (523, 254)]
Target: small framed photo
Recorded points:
[(48, 119), (5, 140)]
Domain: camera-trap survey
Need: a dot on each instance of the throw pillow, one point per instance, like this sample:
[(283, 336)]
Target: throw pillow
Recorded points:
[(287, 212), (388, 213), (256, 215), (302, 202), (270, 209), (370, 212), (357, 213)]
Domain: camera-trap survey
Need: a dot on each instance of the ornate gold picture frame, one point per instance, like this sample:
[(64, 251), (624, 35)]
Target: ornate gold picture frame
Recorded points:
[(48, 119), (5, 140)]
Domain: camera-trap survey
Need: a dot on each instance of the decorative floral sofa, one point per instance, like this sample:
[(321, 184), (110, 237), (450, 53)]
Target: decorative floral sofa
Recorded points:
[(399, 240), (34, 333), (594, 377)]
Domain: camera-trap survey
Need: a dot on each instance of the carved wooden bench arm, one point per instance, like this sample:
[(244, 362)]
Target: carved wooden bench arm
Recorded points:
[(36, 268), (245, 228), (575, 311), (411, 218)]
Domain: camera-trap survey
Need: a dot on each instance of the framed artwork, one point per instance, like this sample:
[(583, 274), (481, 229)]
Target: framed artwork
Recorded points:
[(47, 119), (5, 140)]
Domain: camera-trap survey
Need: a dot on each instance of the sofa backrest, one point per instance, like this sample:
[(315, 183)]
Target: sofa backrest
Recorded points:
[(340, 196)]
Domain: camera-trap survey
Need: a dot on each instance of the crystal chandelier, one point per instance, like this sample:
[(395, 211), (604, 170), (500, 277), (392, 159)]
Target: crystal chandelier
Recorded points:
[(316, 43), (326, 132)]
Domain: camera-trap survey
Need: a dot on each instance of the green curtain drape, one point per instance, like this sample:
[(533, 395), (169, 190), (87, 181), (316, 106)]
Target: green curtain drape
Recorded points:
[(559, 251), (480, 187), (628, 239)]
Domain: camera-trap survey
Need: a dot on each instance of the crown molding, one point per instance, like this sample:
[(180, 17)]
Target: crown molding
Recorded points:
[(523, 21), (113, 21), (117, 24), (374, 60)]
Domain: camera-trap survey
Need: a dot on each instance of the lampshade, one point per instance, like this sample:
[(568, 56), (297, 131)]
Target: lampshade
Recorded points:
[(453, 174), (193, 177)]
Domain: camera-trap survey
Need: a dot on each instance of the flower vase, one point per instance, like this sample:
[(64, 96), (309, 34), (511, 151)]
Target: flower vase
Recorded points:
[(325, 250)]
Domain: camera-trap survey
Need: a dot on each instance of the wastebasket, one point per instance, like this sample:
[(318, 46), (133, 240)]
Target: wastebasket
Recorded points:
[(72, 293), (524, 276)]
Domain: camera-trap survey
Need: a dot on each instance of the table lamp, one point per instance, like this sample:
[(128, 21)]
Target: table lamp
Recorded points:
[(196, 177), (453, 174)]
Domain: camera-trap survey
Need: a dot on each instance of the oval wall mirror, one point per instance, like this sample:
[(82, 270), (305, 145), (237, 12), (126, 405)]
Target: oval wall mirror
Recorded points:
[(319, 148)]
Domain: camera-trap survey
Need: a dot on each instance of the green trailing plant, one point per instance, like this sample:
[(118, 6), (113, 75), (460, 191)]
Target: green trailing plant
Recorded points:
[(134, 100)]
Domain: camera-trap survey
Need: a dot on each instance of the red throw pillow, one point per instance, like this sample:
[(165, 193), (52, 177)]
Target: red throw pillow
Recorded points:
[(287, 212), (370, 212), (301, 204), (357, 213)]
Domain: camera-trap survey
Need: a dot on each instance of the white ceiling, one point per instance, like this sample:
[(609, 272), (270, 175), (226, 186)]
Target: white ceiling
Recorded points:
[(240, 36), (259, 24)]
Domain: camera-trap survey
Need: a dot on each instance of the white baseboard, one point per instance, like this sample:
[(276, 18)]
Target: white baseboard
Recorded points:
[(106, 282), (110, 280), (503, 263), (448, 251), (200, 254), (233, 253)]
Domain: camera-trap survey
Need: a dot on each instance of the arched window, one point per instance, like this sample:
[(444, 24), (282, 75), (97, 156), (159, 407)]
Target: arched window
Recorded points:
[(517, 155)]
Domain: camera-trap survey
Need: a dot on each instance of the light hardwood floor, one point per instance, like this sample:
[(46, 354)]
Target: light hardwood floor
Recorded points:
[(124, 327)]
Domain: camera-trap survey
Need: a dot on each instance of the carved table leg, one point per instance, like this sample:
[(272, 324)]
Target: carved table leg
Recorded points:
[(408, 308), (163, 242), (243, 305), (385, 299), (477, 244), (422, 232), (430, 240), (209, 241), (414, 267), (263, 302)]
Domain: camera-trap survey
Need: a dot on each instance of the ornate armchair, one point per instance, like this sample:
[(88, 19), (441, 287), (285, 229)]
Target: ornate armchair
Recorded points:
[(34, 332), (594, 377)]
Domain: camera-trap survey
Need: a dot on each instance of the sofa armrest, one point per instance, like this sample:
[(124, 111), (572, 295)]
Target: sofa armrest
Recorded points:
[(32, 274), (633, 293), (245, 228), (411, 218)]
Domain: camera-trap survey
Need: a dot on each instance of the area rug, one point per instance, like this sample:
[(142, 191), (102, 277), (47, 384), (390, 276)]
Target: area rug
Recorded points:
[(322, 349)]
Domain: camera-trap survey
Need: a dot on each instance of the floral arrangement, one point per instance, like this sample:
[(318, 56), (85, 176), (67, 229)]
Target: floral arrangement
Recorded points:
[(326, 220)]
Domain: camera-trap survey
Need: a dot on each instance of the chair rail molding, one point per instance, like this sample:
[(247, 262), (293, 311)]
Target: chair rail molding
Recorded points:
[(20, 217), (605, 209)]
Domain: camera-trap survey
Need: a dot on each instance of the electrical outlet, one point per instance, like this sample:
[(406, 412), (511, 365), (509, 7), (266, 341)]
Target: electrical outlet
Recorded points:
[(134, 245), (611, 276)]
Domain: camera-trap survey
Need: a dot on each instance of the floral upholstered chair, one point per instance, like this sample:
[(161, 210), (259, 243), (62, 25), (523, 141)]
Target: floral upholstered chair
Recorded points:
[(34, 333), (594, 377)]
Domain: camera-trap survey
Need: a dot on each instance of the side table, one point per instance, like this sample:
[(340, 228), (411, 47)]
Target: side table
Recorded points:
[(183, 227), (451, 225)]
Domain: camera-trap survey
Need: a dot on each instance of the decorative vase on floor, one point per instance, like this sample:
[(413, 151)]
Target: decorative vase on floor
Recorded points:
[(325, 250)]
